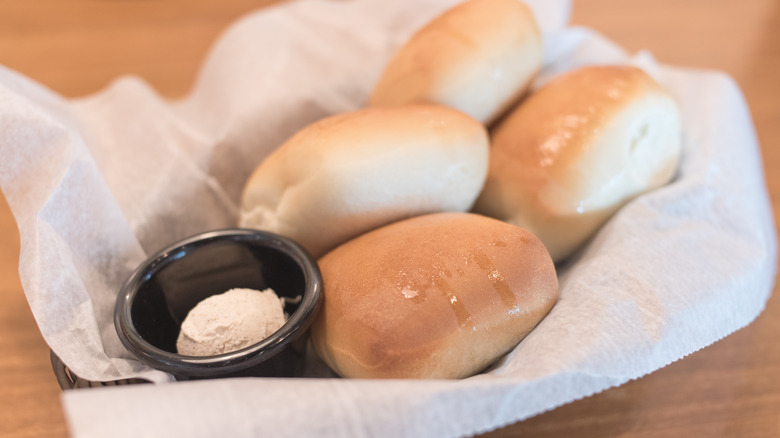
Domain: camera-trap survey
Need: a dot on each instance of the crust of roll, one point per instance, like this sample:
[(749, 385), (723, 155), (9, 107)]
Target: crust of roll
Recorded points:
[(577, 150), (437, 296), (478, 57), (350, 173)]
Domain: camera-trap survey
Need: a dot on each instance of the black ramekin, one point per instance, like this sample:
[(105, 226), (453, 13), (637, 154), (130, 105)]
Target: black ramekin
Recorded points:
[(157, 296)]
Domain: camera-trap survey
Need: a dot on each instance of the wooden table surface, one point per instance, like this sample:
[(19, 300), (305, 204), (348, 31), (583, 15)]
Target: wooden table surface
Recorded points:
[(730, 389)]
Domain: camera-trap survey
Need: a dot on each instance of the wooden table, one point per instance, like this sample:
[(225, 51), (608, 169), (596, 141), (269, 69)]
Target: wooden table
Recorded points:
[(729, 389)]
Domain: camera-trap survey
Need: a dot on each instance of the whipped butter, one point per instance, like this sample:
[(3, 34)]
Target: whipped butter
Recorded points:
[(230, 321)]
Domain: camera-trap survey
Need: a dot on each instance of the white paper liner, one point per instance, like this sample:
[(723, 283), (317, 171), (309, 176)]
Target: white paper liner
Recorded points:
[(97, 184)]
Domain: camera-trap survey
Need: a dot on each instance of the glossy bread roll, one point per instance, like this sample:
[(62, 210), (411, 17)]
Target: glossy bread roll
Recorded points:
[(436, 296), (478, 57), (577, 150), (350, 173)]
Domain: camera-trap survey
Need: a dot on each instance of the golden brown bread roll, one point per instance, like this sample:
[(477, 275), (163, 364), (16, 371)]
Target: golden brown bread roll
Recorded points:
[(577, 150), (350, 173), (478, 57), (436, 296)]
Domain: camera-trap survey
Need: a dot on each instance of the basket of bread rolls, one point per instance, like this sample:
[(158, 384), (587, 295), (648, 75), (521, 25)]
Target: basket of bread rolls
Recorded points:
[(493, 211)]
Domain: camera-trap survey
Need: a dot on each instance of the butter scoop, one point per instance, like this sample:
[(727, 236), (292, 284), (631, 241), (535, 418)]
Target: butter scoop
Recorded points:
[(230, 321)]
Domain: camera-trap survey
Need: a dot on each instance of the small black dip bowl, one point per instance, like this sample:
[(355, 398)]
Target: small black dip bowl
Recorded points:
[(156, 298)]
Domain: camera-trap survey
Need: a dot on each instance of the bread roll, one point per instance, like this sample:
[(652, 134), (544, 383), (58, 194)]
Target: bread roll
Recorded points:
[(478, 57), (436, 296), (578, 149), (350, 173)]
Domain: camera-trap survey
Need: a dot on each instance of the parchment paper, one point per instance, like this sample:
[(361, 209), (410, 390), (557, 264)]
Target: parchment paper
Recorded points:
[(99, 183)]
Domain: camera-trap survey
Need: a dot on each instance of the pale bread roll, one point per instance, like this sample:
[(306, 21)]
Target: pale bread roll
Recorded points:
[(350, 173), (577, 150), (436, 296), (478, 57)]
